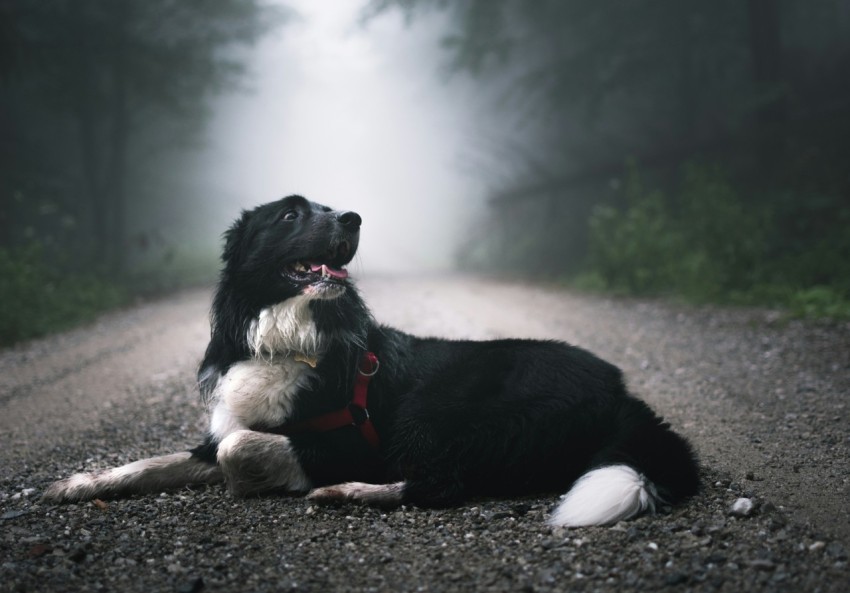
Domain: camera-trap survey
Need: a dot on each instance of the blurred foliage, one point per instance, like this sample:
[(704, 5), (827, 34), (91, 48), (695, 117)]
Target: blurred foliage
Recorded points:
[(99, 101), (37, 297), (702, 243), (738, 112), (706, 244), (44, 291)]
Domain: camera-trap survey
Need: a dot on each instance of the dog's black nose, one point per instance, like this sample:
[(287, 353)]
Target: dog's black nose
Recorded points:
[(350, 220)]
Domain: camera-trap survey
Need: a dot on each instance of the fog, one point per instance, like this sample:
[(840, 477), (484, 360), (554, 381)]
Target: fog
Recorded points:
[(354, 116), (649, 148)]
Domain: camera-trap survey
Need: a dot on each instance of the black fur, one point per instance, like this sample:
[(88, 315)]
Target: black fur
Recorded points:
[(456, 418)]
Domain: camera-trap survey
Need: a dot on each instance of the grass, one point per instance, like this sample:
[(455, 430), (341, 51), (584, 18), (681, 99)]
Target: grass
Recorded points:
[(41, 294)]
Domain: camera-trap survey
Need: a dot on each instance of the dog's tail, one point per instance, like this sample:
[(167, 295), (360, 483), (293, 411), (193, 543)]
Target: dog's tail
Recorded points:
[(148, 475), (645, 464)]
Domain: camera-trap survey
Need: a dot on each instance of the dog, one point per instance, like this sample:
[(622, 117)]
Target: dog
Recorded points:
[(307, 394)]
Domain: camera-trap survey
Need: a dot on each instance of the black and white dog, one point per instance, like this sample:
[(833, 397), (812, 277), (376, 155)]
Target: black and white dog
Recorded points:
[(308, 394)]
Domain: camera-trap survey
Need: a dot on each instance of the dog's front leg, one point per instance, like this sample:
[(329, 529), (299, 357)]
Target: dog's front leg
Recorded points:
[(255, 462)]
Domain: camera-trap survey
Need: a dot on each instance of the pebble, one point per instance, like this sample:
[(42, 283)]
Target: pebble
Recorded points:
[(836, 550), (762, 564), (12, 514), (742, 507), (192, 586)]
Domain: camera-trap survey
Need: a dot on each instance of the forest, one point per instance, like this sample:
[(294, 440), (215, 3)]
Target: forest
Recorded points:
[(665, 147), (674, 148), (98, 99)]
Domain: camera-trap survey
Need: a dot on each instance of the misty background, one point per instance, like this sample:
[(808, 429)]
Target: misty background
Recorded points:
[(686, 149)]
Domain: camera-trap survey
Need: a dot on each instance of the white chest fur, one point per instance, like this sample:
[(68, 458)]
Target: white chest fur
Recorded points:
[(285, 327), (262, 391), (257, 393)]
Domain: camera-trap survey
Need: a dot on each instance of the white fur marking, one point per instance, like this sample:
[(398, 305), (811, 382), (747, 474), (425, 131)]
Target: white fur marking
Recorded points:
[(254, 462), (605, 495), (148, 475), (285, 327), (257, 393), (374, 494)]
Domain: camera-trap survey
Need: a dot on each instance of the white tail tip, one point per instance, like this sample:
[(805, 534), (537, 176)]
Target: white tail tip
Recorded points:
[(604, 496)]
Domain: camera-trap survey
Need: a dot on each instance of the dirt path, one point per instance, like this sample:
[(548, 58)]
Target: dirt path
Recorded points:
[(764, 401)]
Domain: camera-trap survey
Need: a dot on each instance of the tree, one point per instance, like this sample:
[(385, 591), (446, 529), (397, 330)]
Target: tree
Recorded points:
[(758, 90), (104, 71)]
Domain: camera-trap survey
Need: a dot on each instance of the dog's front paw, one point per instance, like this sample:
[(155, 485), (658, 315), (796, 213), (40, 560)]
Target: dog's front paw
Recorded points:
[(77, 488), (387, 495)]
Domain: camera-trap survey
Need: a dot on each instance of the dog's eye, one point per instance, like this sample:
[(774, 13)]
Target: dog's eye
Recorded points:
[(290, 215)]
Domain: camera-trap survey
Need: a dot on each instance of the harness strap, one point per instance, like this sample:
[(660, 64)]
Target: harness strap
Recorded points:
[(354, 414)]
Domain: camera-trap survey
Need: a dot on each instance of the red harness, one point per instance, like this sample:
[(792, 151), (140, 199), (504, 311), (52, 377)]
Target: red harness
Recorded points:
[(354, 414)]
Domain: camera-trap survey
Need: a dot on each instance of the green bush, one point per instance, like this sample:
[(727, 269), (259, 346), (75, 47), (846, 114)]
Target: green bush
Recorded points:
[(38, 296), (820, 301), (705, 244), (636, 250)]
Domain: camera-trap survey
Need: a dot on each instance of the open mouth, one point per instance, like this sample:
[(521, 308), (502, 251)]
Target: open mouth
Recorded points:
[(327, 267)]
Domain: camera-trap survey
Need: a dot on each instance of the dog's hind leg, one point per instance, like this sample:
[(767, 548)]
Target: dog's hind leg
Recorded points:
[(381, 495), (148, 475), (427, 493), (255, 462)]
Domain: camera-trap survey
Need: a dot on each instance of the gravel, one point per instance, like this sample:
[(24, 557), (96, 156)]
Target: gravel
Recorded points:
[(761, 398)]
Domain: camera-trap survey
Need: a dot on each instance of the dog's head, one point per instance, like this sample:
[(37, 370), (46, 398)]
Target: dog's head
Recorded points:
[(291, 247)]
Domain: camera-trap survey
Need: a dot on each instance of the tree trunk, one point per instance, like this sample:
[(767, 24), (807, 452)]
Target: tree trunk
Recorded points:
[(98, 205), (770, 86), (119, 133), (686, 81)]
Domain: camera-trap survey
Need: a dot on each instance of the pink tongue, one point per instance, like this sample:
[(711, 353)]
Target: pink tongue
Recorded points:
[(328, 271)]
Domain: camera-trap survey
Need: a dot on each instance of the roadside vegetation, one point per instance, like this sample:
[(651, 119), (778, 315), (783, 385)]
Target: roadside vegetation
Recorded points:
[(704, 243), (44, 292), (688, 149)]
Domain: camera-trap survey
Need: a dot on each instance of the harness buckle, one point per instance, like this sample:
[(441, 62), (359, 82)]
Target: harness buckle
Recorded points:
[(359, 415)]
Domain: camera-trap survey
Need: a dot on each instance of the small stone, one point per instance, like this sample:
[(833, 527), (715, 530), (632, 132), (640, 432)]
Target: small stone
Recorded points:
[(762, 564), (192, 586), (12, 514), (77, 554), (39, 550), (652, 546), (817, 546), (743, 507)]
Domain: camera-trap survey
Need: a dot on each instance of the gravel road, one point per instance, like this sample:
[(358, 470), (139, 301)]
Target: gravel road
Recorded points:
[(763, 400)]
